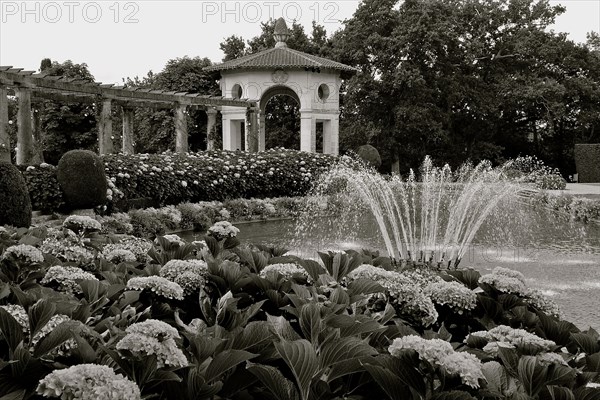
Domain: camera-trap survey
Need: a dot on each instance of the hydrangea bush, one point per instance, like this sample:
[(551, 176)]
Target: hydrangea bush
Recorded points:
[(215, 319)]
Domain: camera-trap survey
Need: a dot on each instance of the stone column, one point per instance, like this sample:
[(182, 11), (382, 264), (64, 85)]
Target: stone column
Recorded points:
[(128, 115), (25, 148), (334, 135), (308, 134), (105, 143), (38, 139), (251, 131), (4, 138), (181, 130), (262, 140), (211, 128)]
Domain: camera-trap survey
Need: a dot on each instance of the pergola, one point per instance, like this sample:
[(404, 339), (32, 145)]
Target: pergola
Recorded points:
[(30, 86)]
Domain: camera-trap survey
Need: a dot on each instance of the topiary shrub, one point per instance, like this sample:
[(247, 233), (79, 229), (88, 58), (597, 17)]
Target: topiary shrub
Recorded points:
[(83, 181), (15, 205), (586, 161), (370, 155)]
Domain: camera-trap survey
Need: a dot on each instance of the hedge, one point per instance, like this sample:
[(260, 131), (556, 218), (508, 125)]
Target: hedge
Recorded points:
[(15, 206), (83, 181), (170, 179), (587, 161)]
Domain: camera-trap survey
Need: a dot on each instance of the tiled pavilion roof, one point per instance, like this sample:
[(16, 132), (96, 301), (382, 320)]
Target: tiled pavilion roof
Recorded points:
[(280, 56)]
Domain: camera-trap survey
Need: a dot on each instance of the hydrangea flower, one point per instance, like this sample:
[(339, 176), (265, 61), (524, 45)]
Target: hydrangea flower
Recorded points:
[(505, 336), (138, 246), (510, 281), (440, 354), (189, 274), (287, 270), (81, 222), (405, 291), (117, 256), (154, 337), (223, 229), (67, 278), (452, 294), (157, 284), (24, 252), (174, 239), (88, 382)]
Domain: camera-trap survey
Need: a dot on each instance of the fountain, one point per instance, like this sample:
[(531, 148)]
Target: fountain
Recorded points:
[(431, 220)]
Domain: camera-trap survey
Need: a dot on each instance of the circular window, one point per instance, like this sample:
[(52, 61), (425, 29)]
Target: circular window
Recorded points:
[(323, 92), (236, 91)]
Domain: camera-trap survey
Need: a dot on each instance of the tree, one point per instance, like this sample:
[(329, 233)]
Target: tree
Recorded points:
[(154, 130), (465, 79)]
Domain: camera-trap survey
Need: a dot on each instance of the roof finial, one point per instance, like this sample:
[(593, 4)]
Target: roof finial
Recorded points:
[(281, 33)]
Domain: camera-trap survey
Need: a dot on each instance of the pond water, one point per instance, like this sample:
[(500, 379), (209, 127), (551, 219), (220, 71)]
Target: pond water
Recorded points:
[(557, 256)]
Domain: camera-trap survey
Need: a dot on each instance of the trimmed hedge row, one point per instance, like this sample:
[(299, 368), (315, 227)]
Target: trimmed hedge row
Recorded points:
[(587, 161), (170, 179), (215, 175)]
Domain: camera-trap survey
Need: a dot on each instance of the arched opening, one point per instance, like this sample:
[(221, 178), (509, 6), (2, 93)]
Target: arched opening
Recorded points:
[(280, 118)]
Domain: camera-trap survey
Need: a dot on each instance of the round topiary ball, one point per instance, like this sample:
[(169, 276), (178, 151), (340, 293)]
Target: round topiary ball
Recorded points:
[(370, 155), (15, 205), (82, 178)]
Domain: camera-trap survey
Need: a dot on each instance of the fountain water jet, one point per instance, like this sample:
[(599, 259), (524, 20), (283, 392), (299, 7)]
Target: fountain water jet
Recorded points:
[(433, 219)]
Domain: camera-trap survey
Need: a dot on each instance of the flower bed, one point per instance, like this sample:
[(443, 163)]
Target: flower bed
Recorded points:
[(170, 179), (578, 208), (90, 315)]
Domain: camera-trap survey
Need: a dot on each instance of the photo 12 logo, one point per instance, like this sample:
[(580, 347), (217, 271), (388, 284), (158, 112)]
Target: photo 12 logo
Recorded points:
[(69, 11), (254, 12)]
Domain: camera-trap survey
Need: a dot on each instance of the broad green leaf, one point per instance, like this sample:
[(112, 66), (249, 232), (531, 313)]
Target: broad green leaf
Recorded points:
[(301, 358), (340, 350), (254, 338), (282, 328), (16, 395), (557, 393), (510, 360), (453, 395), (389, 382), (364, 286), (532, 375), (560, 375), (57, 336), (11, 329), (586, 342), (224, 361), (313, 268), (468, 277), (592, 362), (310, 322), (496, 376), (585, 393), (39, 315), (273, 379)]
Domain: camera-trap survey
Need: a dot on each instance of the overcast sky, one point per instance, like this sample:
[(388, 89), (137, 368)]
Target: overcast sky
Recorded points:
[(119, 39)]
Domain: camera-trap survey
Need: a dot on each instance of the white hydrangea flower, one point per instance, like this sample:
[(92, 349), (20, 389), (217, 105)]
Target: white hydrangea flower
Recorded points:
[(223, 229), (189, 274), (81, 222), (440, 354), (287, 270), (505, 336), (551, 358), (138, 246), (117, 256), (154, 337), (173, 239), (18, 313), (510, 281), (67, 278), (157, 284), (88, 382), (24, 252), (452, 294)]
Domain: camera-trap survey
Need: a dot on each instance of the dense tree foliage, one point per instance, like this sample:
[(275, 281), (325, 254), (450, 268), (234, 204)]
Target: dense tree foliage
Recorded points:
[(466, 79)]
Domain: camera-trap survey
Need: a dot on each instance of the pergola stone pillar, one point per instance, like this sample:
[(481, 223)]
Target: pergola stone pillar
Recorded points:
[(105, 144), (128, 117), (37, 133), (308, 135), (252, 130), (4, 138), (211, 128), (181, 129), (25, 148)]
